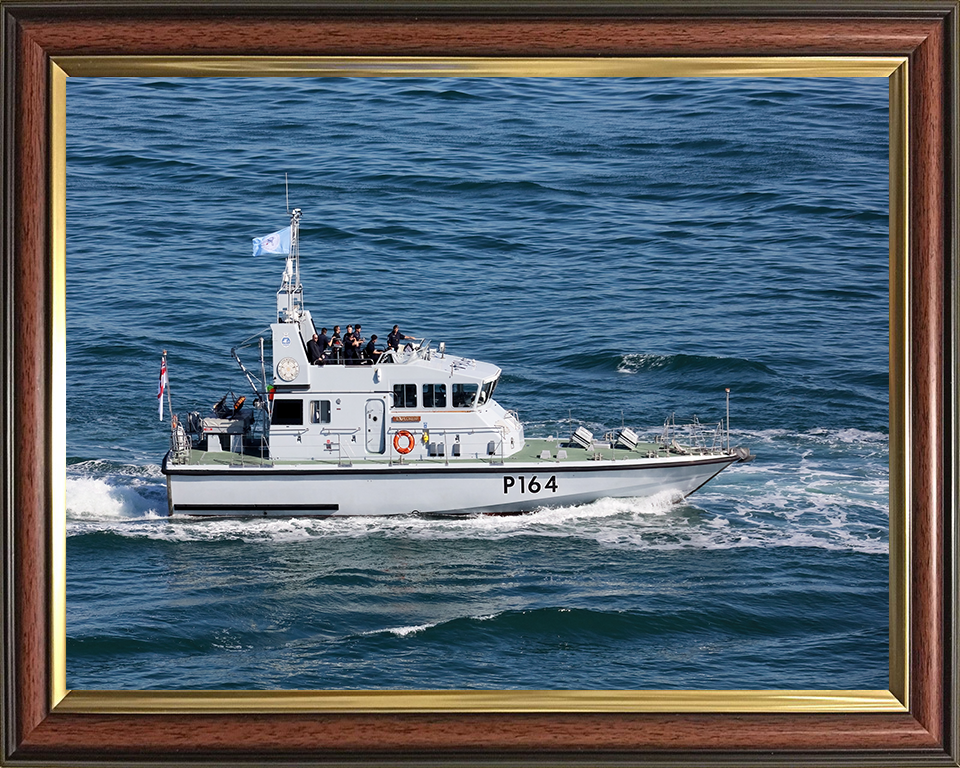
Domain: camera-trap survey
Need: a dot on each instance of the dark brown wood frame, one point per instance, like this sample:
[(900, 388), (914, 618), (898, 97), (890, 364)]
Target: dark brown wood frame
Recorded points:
[(925, 32)]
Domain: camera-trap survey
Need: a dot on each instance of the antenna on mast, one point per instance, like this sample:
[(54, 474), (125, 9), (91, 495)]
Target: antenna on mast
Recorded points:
[(728, 419), (286, 185)]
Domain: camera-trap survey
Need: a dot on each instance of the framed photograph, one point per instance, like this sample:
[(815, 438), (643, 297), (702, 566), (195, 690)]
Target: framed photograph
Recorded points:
[(55, 713)]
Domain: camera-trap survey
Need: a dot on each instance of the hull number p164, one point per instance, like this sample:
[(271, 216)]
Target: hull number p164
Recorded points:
[(529, 486)]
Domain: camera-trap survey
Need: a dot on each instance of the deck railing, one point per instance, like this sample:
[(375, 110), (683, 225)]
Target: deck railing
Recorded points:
[(691, 437)]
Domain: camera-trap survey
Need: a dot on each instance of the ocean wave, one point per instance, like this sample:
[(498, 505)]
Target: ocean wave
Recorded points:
[(632, 363), (442, 94), (559, 624), (401, 631), (636, 362)]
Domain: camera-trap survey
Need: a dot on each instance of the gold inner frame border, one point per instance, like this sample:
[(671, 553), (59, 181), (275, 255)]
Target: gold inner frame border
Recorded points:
[(895, 699)]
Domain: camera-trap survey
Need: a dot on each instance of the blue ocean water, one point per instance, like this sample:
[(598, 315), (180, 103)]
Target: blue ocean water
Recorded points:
[(623, 248)]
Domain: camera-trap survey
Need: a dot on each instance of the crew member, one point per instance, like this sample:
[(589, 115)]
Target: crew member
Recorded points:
[(370, 351), (351, 347), (313, 350), (395, 337), (336, 344)]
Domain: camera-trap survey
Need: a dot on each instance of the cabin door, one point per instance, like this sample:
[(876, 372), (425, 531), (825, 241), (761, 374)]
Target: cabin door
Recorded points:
[(376, 428)]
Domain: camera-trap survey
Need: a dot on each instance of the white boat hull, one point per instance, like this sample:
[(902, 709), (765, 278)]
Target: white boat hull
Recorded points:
[(462, 489)]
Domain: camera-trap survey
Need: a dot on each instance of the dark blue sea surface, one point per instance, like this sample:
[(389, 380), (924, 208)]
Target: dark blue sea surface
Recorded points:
[(623, 248)]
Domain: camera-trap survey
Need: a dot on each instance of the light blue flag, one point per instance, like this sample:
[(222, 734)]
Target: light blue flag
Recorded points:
[(278, 242)]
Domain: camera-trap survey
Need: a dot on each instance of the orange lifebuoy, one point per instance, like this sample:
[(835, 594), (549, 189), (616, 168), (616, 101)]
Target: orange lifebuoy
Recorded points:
[(406, 436)]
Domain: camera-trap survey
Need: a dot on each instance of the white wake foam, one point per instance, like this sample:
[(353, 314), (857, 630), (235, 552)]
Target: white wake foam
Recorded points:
[(99, 498)]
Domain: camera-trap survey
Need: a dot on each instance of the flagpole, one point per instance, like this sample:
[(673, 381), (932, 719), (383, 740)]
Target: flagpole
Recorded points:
[(166, 385)]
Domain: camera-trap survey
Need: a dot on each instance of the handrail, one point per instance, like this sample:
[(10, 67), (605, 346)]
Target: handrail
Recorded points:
[(340, 434), (692, 432)]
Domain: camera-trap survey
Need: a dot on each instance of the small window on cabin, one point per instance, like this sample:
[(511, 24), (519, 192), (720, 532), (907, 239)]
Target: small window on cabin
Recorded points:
[(320, 411), (464, 395), (287, 412), (404, 395), (434, 395)]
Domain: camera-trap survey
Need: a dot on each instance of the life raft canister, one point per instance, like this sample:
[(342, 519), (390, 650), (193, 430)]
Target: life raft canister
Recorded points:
[(408, 445)]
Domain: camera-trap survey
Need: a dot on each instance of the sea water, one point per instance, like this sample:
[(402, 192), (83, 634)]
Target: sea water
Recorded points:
[(624, 249)]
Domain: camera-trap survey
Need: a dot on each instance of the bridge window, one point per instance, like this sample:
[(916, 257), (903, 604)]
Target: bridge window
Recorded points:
[(320, 411), (464, 395), (404, 395), (287, 412), (487, 391), (434, 395)]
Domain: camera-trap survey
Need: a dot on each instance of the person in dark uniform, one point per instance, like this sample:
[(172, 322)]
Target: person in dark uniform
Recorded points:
[(370, 352), (336, 345), (313, 350), (395, 337), (351, 347)]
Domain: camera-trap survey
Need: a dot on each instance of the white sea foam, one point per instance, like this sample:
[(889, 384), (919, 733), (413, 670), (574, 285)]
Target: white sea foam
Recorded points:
[(99, 468), (861, 436), (634, 363), (404, 631), (99, 498)]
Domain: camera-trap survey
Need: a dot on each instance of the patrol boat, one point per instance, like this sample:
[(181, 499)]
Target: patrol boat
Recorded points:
[(415, 430)]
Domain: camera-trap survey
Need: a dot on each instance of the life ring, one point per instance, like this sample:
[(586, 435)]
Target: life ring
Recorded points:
[(238, 404), (406, 436)]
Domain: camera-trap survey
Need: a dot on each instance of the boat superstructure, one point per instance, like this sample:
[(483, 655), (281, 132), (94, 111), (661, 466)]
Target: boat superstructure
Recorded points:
[(411, 429)]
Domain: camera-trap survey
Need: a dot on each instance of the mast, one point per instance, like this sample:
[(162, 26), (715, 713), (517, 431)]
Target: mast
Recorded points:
[(295, 253), (290, 295)]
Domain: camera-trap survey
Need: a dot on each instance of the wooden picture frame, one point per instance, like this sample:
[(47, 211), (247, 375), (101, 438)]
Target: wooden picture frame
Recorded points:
[(916, 721)]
